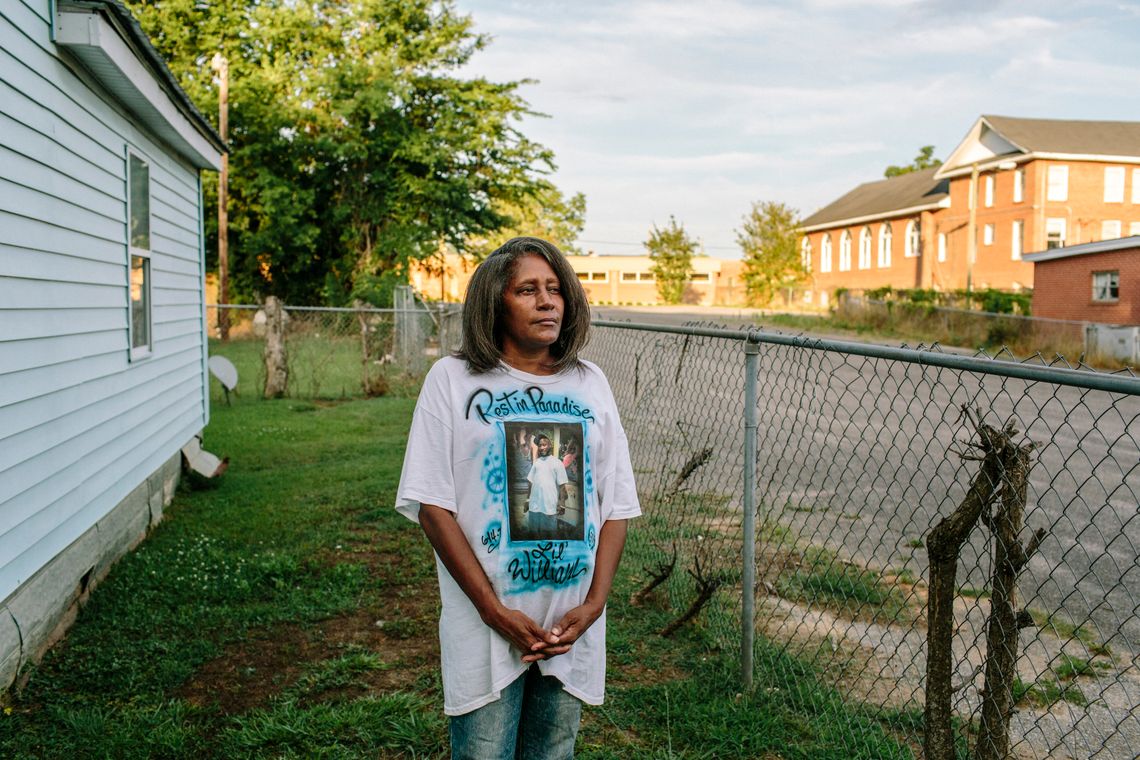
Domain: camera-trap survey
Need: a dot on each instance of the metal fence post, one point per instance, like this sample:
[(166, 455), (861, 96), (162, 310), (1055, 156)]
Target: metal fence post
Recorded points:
[(748, 553)]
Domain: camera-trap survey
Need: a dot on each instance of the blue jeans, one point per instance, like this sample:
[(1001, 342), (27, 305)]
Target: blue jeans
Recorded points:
[(533, 719)]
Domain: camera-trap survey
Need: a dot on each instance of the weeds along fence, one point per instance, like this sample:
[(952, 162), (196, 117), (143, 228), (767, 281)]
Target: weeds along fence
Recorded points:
[(848, 457), (339, 353), (967, 327)]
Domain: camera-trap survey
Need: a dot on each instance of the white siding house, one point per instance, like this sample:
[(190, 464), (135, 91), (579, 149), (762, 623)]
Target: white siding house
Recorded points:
[(102, 337)]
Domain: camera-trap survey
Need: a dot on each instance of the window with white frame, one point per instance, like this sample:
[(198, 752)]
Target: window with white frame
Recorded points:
[(988, 235), (139, 282), (629, 276), (599, 276), (1058, 183), (1018, 186), (1054, 233), (1136, 185), (845, 251), (1110, 229), (885, 245), (941, 246), (646, 277), (989, 190), (1106, 286), (583, 275), (1134, 228), (913, 240), (825, 253), (1017, 240), (700, 277), (805, 254), (1114, 184), (865, 248)]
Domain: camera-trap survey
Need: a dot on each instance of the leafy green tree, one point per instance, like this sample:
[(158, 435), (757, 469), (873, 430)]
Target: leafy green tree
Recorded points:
[(924, 160), (546, 214), (356, 147), (672, 251), (768, 240)]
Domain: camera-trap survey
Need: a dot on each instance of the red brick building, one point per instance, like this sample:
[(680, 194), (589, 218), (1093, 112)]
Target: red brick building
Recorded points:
[(1092, 282), (1012, 185)]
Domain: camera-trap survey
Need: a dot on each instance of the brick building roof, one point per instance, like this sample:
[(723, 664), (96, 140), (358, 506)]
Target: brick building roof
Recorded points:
[(1097, 138), (884, 197)]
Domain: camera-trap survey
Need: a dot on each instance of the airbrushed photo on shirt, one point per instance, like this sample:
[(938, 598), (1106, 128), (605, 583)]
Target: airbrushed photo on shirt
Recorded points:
[(544, 469)]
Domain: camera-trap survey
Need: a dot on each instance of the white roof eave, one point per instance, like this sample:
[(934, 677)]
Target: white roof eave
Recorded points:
[(96, 43)]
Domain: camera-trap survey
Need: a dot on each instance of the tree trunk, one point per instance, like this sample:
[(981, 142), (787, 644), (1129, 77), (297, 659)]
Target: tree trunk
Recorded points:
[(276, 357), (943, 544)]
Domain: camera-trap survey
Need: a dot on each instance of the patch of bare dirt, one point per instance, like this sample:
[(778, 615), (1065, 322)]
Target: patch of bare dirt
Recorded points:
[(250, 673), (398, 626)]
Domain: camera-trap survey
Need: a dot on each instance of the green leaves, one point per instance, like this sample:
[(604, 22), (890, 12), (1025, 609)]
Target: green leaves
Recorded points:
[(672, 251), (356, 146), (771, 259), (924, 160)]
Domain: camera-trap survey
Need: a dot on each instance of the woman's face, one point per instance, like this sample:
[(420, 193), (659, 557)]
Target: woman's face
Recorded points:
[(532, 308)]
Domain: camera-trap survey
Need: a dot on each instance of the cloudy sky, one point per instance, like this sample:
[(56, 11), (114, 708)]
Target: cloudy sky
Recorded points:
[(697, 108)]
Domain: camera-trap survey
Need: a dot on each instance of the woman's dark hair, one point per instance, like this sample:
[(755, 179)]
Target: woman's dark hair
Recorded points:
[(482, 346)]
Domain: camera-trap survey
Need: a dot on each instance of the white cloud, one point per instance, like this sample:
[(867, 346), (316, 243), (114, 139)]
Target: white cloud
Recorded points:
[(661, 107)]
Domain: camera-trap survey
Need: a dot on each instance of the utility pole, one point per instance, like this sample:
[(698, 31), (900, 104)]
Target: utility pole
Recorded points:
[(971, 230), (220, 65)]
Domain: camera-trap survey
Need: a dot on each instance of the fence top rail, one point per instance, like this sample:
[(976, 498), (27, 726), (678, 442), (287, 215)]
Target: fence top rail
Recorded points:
[(1124, 382), (333, 309)]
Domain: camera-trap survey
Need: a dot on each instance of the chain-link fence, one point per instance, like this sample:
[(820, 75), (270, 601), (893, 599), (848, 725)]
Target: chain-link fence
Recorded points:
[(340, 353), (861, 451)]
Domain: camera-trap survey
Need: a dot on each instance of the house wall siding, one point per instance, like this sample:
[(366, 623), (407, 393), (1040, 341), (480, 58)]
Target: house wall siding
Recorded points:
[(81, 425), (1064, 288)]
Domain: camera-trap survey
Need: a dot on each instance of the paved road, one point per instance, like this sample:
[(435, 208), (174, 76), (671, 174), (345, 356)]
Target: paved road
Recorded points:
[(859, 456)]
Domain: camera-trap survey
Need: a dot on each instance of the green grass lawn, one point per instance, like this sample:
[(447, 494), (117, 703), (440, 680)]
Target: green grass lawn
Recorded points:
[(289, 612)]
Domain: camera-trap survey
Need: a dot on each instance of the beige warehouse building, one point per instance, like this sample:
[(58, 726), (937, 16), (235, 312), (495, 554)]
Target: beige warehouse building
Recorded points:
[(608, 279)]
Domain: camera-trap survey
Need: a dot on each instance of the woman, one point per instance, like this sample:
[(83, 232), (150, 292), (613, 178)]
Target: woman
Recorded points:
[(522, 632)]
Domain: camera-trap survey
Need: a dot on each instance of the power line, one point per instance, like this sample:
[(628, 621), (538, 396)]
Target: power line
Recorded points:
[(641, 244)]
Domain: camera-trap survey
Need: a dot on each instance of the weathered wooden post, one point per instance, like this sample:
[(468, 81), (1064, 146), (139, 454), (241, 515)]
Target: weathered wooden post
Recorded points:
[(1005, 620), (943, 545), (276, 357)]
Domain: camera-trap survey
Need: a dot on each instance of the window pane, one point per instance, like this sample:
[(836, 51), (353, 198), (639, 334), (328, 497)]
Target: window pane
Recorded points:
[(583, 275), (140, 302), (629, 276), (1054, 233), (1106, 286), (1016, 241), (139, 183), (1018, 186), (1114, 184), (1058, 183), (1110, 229)]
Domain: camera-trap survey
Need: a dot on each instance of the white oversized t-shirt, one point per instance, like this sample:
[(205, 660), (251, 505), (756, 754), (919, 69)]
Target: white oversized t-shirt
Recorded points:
[(471, 450)]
